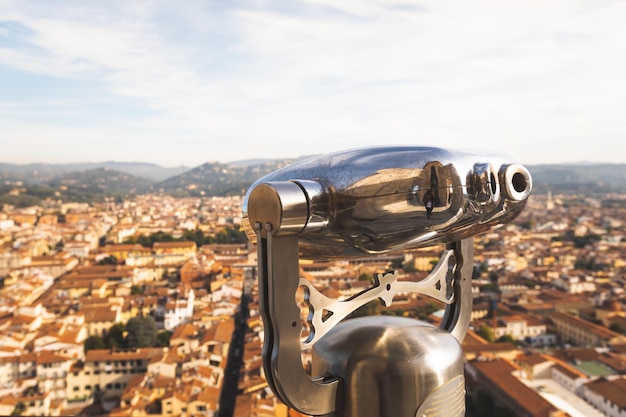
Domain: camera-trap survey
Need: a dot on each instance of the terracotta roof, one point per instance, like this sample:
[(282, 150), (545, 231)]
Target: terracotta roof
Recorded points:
[(612, 390), (500, 373), (569, 371), (122, 354), (224, 331), (472, 339), (533, 359), (164, 245), (184, 331), (587, 326), (99, 314), (46, 356)]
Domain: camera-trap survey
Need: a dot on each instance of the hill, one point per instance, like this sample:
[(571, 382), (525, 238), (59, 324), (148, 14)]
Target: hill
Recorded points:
[(586, 179), (23, 185), (42, 173), (80, 186)]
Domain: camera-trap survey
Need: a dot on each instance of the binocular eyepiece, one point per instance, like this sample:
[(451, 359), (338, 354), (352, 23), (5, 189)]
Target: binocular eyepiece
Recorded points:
[(379, 200)]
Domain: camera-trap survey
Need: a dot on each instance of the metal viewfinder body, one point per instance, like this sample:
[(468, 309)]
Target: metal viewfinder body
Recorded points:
[(365, 202), (371, 201)]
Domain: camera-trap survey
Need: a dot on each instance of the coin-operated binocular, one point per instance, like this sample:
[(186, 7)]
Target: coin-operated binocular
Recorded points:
[(366, 202)]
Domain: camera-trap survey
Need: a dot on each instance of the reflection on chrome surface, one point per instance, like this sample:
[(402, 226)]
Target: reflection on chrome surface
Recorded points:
[(374, 200)]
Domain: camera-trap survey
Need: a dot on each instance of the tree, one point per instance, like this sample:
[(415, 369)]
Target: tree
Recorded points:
[(109, 260), (366, 277), (505, 338), (141, 332), (115, 336), (137, 290), (488, 288), (94, 342), (163, 338), (486, 333), (617, 328)]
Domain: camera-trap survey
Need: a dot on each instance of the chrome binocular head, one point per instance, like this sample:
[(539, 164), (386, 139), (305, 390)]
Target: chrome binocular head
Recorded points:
[(379, 200)]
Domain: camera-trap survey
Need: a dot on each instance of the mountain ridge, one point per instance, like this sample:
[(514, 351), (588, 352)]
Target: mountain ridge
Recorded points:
[(31, 183)]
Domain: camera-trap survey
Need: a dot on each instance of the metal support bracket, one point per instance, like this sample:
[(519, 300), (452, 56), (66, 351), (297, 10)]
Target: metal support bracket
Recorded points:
[(449, 282), (282, 361)]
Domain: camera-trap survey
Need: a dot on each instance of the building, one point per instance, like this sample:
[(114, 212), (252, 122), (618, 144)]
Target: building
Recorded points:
[(607, 395), (106, 372), (496, 377), (573, 329)]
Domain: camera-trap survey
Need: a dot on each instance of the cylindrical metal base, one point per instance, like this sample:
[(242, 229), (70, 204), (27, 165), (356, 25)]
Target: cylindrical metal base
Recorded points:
[(393, 367)]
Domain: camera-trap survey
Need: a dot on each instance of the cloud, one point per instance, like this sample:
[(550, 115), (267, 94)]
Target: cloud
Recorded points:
[(244, 79)]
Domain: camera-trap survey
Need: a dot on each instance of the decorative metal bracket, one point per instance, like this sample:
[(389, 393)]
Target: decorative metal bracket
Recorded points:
[(449, 282)]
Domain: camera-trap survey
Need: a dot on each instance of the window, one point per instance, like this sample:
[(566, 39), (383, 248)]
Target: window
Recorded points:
[(76, 389), (88, 387)]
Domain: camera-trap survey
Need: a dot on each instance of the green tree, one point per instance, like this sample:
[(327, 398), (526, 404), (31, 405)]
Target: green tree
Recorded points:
[(115, 336), (488, 288), (505, 338), (19, 409), (161, 236), (137, 290), (195, 236), (144, 241), (366, 277), (486, 333), (617, 328), (141, 332), (163, 338), (94, 342), (109, 260)]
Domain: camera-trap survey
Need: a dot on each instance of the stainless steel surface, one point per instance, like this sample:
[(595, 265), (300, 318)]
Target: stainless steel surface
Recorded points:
[(325, 313), (370, 201), (282, 363), (456, 316), (393, 366)]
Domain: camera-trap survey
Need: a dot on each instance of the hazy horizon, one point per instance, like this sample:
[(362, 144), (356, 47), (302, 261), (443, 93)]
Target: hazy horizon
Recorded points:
[(240, 161)]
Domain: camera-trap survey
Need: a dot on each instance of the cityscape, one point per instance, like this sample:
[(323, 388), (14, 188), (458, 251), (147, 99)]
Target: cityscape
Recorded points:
[(148, 306), (146, 271)]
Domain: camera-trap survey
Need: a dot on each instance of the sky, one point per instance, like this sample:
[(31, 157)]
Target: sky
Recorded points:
[(188, 82)]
